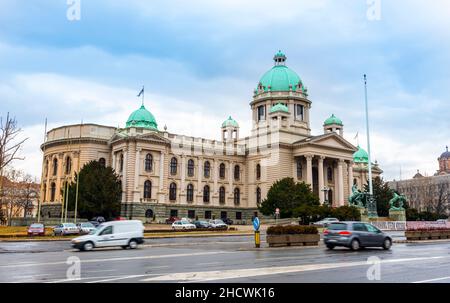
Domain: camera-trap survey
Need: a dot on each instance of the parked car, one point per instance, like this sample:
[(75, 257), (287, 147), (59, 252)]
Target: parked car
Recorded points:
[(64, 229), (355, 235), (201, 224), (218, 224), (227, 221), (182, 225), (127, 234), (325, 222), (96, 221), (36, 229), (86, 227), (172, 219)]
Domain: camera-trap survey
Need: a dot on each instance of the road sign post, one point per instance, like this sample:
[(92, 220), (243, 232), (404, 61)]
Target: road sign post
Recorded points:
[(256, 225)]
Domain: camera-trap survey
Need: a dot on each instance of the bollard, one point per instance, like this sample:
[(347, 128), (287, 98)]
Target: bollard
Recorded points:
[(257, 239)]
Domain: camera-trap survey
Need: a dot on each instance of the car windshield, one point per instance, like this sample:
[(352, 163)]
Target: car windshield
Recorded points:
[(93, 232), (36, 226), (337, 226)]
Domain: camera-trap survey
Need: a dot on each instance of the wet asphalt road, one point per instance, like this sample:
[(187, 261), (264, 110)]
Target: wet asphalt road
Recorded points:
[(222, 259)]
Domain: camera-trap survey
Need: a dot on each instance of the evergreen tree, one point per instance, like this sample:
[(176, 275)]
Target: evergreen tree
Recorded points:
[(99, 192), (382, 194)]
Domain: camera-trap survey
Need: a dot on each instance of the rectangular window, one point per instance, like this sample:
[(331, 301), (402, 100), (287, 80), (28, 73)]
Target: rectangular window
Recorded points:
[(299, 111), (238, 215), (223, 215), (174, 212), (207, 214), (191, 214), (261, 113)]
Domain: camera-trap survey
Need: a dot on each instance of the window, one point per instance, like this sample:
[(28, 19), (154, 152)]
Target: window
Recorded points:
[(174, 212), (206, 194), (52, 192), (223, 215), (299, 109), (68, 165), (330, 174), (46, 168), (102, 162), (371, 228), (44, 193), (207, 214), (237, 196), (258, 171), (258, 195), (222, 195), (359, 227), (190, 168), (147, 189), (207, 169), (121, 163), (55, 167), (107, 231), (190, 193), (148, 162), (238, 215), (149, 213), (261, 113), (191, 214), (299, 169), (237, 172), (173, 166), (172, 192), (222, 171)]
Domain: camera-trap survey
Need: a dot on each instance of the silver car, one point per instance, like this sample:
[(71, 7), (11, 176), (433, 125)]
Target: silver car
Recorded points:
[(86, 227), (64, 229), (325, 222)]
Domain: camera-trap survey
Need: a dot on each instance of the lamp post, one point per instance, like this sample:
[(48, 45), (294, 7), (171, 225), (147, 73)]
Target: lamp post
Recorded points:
[(371, 203)]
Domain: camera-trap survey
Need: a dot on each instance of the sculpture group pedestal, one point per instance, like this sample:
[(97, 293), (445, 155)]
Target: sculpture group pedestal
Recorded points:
[(397, 215), (364, 215)]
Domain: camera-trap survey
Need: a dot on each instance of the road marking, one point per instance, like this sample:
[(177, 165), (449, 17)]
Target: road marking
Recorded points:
[(210, 263), (120, 259), (121, 278), (432, 280), (253, 272)]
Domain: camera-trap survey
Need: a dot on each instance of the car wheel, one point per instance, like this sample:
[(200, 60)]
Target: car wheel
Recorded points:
[(133, 244), (88, 246), (354, 245), (330, 246), (387, 243)]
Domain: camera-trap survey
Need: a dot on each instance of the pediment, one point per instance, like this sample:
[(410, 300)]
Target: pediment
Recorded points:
[(331, 140)]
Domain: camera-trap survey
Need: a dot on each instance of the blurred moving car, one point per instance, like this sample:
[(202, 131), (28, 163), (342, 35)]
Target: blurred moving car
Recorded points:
[(355, 235), (201, 224), (96, 221), (86, 227), (227, 221), (217, 223), (182, 225), (172, 219), (325, 222), (127, 234), (64, 229), (36, 229)]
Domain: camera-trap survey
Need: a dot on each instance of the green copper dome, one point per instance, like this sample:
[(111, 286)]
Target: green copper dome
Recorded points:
[(142, 118), (230, 122), (280, 77), (333, 120), (279, 108), (361, 156)]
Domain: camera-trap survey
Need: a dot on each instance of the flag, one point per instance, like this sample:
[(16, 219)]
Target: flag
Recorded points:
[(141, 92)]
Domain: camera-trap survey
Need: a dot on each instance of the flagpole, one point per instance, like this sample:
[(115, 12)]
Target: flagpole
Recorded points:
[(42, 182), (368, 137), (78, 173)]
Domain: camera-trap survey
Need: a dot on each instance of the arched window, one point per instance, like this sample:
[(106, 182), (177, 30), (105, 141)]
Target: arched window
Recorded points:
[(330, 174), (237, 172), (148, 162), (55, 167), (206, 194), (172, 192), (44, 192), (237, 196), (46, 168), (149, 213), (190, 193), (222, 171), (222, 195), (258, 196), (147, 189), (121, 162), (52, 192), (102, 162), (207, 169), (258, 171), (173, 166), (299, 169), (68, 165), (190, 168), (330, 197)]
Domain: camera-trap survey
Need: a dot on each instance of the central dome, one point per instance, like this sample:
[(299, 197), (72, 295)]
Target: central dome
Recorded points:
[(142, 118), (361, 156), (280, 77)]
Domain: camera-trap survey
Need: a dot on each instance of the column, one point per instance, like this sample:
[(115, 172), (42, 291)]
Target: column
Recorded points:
[(113, 164), (215, 173), (341, 183), (200, 174), (59, 177), (137, 195), (321, 180), (350, 176), (124, 176), (309, 170), (230, 178), (183, 173), (161, 171)]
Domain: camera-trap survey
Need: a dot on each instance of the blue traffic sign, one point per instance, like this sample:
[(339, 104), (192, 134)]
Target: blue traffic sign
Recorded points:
[(256, 223)]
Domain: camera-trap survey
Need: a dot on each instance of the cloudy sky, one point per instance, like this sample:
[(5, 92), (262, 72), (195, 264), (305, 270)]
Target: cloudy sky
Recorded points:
[(201, 60)]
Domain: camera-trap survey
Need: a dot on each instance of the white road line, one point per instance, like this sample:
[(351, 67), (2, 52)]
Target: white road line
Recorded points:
[(210, 263), (253, 272), (432, 280), (121, 278), (120, 259)]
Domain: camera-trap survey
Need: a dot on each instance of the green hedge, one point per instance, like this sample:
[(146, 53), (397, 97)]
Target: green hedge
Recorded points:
[(292, 230)]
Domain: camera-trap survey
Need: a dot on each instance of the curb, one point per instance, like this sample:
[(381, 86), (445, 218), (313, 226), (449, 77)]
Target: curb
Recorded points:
[(422, 241)]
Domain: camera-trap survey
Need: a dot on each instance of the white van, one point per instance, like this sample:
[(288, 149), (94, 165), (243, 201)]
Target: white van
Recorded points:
[(128, 233)]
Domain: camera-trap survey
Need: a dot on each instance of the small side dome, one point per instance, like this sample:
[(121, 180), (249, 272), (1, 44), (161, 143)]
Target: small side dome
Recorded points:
[(333, 120), (280, 107), (230, 122), (445, 155), (142, 118), (361, 156)]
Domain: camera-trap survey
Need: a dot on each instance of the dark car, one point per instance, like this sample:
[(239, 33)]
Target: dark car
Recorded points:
[(201, 224), (36, 229), (172, 219), (355, 235), (227, 221), (96, 221)]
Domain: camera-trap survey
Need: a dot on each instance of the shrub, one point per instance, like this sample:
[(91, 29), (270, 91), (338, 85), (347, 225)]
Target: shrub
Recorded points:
[(291, 230)]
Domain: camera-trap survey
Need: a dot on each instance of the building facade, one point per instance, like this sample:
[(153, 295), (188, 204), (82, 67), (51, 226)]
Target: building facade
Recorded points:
[(165, 174)]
